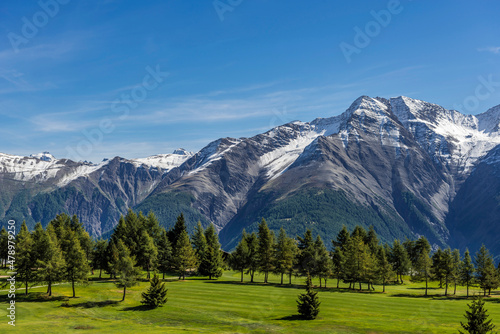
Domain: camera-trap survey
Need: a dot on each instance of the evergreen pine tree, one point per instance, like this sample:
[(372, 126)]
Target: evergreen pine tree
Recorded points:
[(24, 256), (147, 252), (253, 255), (477, 319), (240, 257), (466, 271), (77, 268), (156, 295), (384, 268), (212, 263), (175, 232), (266, 242), (184, 256), (338, 262), (437, 266), (400, 260), (164, 253), (99, 259), (283, 254), (199, 243), (308, 303), (307, 254), (125, 268), (112, 258), (423, 267), (323, 262), (342, 238), (487, 275), (51, 265)]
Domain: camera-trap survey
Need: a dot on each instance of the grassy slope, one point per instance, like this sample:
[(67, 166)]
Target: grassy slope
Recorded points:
[(225, 306)]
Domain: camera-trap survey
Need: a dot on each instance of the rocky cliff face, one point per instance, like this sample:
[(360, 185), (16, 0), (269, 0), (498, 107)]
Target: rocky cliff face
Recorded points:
[(406, 166)]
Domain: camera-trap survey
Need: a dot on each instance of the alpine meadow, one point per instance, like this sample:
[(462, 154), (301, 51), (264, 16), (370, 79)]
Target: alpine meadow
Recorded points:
[(237, 166)]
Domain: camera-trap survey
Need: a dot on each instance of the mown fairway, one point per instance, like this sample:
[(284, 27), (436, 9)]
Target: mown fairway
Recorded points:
[(226, 306)]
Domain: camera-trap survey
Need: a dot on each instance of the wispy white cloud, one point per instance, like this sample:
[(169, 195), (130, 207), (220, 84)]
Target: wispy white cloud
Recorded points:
[(492, 49)]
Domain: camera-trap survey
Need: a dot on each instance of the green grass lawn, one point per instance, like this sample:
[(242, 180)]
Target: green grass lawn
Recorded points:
[(226, 306)]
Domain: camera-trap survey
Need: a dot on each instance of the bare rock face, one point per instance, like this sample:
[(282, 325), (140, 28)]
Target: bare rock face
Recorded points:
[(405, 166)]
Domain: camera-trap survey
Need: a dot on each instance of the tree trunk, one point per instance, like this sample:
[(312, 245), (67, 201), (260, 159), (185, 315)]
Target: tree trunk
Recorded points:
[(50, 288), (338, 281), (320, 282), (163, 275), (290, 278), (148, 271), (124, 291), (251, 276), (426, 286), (100, 273), (73, 285), (467, 289), (242, 276), (383, 287), (455, 291), (359, 286), (325, 282), (446, 288), (26, 284), (282, 278)]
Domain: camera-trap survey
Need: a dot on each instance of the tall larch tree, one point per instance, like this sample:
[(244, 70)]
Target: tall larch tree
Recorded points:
[(266, 242), (199, 243), (127, 272), (147, 252), (165, 253), (253, 255), (212, 263), (184, 255), (240, 257), (466, 271), (77, 267), (323, 262), (24, 256), (51, 266), (283, 254)]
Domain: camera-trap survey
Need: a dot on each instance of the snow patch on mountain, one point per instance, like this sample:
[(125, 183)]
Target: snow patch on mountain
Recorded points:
[(164, 161), (460, 140), (29, 168), (83, 170)]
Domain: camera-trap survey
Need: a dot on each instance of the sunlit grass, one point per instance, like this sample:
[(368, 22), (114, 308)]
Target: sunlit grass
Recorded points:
[(226, 306)]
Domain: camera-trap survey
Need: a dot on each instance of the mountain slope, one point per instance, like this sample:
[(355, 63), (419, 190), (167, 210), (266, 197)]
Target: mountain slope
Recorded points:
[(405, 166)]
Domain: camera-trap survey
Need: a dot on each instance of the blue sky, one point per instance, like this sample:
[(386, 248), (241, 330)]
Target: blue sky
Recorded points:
[(79, 83)]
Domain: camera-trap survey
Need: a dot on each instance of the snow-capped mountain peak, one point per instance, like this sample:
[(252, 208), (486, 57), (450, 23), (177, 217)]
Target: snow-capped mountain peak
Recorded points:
[(44, 156)]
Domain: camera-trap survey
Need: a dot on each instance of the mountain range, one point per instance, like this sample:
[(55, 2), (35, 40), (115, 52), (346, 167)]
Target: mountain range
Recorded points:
[(405, 166)]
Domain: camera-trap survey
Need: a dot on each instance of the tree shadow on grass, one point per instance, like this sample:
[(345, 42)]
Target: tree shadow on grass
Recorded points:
[(91, 304), (296, 287), (34, 297), (294, 317), (276, 285), (139, 308)]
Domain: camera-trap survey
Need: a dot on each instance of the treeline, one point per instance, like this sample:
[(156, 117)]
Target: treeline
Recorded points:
[(359, 258), (64, 251)]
